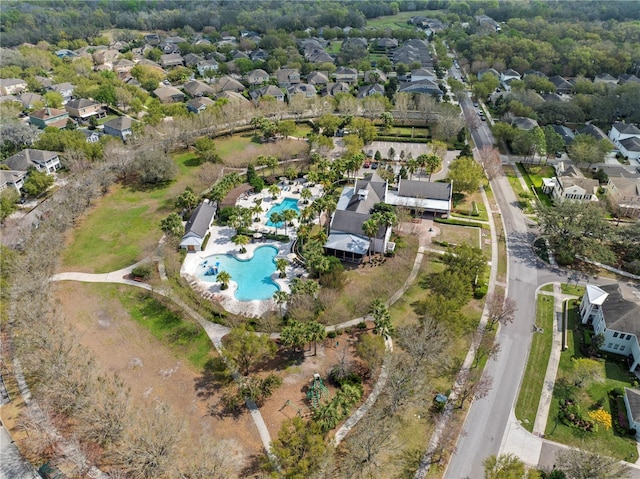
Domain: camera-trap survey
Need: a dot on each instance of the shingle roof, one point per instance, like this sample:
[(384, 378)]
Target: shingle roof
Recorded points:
[(424, 189), (631, 144), (26, 158), (121, 123), (81, 103), (620, 314), (627, 128), (200, 219), (633, 398), (351, 222)]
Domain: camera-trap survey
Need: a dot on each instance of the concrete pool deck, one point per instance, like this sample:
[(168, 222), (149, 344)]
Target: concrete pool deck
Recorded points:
[(220, 243)]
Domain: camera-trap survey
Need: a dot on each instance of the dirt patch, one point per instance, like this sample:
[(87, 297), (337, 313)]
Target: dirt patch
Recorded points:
[(151, 370)]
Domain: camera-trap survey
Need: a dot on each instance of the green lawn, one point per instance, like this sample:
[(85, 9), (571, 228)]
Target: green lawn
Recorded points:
[(334, 47), (416, 132), (228, 145), (533, 175), (399, 20), (572, 289), (614, 374), (102, 121), (453, 234), (547, 287), (533, 380)]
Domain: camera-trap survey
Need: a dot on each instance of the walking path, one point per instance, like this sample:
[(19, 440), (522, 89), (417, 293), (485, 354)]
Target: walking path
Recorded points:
[(554, 360)]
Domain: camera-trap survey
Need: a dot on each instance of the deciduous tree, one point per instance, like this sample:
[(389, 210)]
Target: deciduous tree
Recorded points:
[(578, 464), (246, 349), (466, 174)]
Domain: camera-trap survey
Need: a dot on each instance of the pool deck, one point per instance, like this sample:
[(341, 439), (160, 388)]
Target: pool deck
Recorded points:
[(220, 243)]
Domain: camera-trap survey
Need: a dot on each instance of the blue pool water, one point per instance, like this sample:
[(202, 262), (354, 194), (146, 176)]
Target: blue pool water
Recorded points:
[(287, 204), (253, 275)]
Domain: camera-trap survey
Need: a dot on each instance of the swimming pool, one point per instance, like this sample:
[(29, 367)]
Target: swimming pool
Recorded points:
[(287, 204), (252, 275)]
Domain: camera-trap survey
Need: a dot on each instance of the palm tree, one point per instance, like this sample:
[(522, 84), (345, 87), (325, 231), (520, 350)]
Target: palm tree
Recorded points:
[(281, 298), (223, 277), (288, 215), (281, 266), (430, 163), (257, 209), (381, 318), (315, 332), (271, 162), (276, 218), (370, 228), (274, 191), (306, 195), (412, 167), (242, 241)]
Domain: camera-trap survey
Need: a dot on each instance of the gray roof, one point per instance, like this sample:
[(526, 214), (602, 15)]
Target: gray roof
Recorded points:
[(594, 131), (351, 222), (565, 132), (620, 314), (81, 103), (27, 158), (631, 144), (524, 123), (627, 128), (121, 123), (352, 243), (424, 189), (196, 88), (200, 219), (633, 398), (366, 193)]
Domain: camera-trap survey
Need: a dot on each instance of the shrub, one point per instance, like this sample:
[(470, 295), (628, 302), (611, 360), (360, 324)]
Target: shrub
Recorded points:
[(142, 271), (184, 333), (362, 325), (480, 291), (331, 334)]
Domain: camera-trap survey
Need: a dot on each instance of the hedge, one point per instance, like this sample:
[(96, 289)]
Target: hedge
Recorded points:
[(398, 139)]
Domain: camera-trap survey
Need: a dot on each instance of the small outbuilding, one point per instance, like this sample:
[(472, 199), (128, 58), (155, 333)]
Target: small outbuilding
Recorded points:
[(197, 227)]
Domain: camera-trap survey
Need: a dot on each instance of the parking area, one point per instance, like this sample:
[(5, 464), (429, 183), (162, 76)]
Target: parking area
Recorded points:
[(416, 149)]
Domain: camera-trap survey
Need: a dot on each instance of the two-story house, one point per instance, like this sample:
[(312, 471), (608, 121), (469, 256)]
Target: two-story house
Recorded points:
[(83, 109), (269, 90), (171, 60), (199, 104), (625, 194), (626, 137), (49, 117), (205, 66), (41, 160), (168, 94), (287, 77), (12, 179), (346, 75), (120, 127), (12, 86), (614, 314), (257, 77), (65, 89)]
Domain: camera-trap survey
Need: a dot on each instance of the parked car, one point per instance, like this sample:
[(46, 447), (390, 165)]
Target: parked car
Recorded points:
[(558, 154), (374, 166), (366, 164)]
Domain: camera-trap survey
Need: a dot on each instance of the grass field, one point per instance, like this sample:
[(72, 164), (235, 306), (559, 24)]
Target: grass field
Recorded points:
[(533, 175), (533, 380), (614, 375), (453, 234), (399, 20)]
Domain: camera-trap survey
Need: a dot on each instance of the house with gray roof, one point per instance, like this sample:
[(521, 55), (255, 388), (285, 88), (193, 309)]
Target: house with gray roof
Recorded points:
[(42, 160), (565, 132), (257, 77), (593, 131), (562, 85), (170, 60), (197, 88), (30, 100), (120, 127), (287, 77), (427, 87), (348, 241), (12, 86), (615, 314), (226, 83), (625, 194), (309, 91), (12, 179), (204, 66), (317, 78), (606, 79), (346, 74), (524, 123), (369, 90), (632, 405), (269, 90), (626, 137), (198, 105), (196, 229), (168, 94), (332, 89)]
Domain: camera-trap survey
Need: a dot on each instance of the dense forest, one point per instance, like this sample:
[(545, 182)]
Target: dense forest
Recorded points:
[(52, 21)]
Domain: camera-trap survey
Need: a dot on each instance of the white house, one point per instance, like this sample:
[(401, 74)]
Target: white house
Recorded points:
[(614, 316), (632, 404), (197, 227), (12, 179), (41, 160), (626, 137), (507, 76)]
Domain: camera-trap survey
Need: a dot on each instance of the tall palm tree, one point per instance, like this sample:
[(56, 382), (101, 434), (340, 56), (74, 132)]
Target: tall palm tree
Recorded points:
[(381, 318), (412, 166), (288, 215), (281, 266), (281, 298), (370, 228), (274, 191), (223, 277), (242, 241), (306, 195), (276, 218), (315, 332)]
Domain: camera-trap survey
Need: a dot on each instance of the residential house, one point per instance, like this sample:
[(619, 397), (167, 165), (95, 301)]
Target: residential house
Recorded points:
[(606, 79), (488, 23), (83, 109), (614, 314), (105, 56), (269, 90), (152, 39), (49, 117), (355, 42), (565, 132), (574, 188), (422, 197), (259, 55), (65, 53), (387, 43), (317, 78), (625, 193), (524, 123), (197, 88), (593, 131), (632, 405), (536, 73), (171, 60), (375, 76), (346, 75), (175, 40), (626, 137), (120, 127), (626, 78), (12, 179), (332, 89), (191, 59), (413, 50), (421, 74), (238, 55), (426, 87), (30, 100), (507, 76), (257, 77), (233, 97), (287, 77), (562, 86), (169, 48), (41, 160), (369, 90), (65, 89), (168, 94), (196, 229), (122, 66), (226, 83), (91, 136), (319, 56), (12, 86), (151, 64), (198, 105), (205, 66), (309, 91)]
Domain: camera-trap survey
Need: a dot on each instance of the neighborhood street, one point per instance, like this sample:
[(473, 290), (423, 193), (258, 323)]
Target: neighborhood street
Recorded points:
[(490, 426)]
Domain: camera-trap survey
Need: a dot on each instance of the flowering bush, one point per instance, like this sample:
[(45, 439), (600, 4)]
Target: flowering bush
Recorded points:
[(601, 416)]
